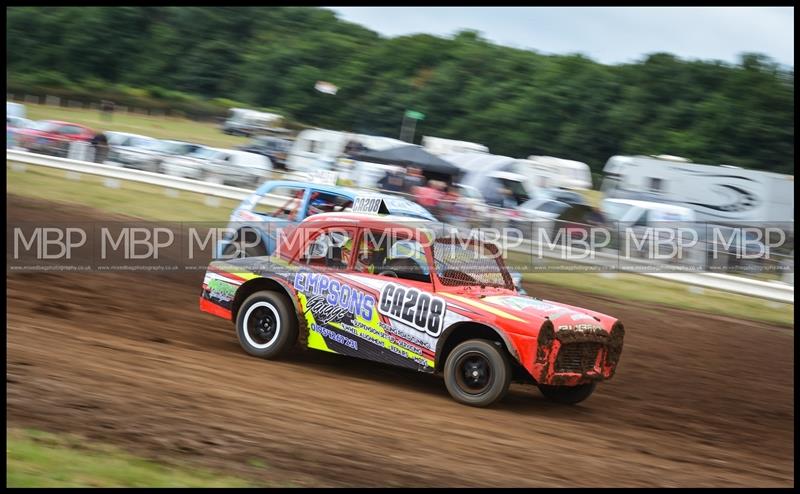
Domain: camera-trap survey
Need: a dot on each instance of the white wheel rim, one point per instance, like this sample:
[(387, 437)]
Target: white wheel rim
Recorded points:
[(247, 336)]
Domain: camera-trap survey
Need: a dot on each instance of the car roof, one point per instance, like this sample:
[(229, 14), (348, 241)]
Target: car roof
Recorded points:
[(348, 192), (335, 189), (128, 134), (61, 122), (365, 220)]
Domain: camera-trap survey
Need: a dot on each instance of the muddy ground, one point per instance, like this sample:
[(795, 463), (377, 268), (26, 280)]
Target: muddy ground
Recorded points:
[(128, 359)]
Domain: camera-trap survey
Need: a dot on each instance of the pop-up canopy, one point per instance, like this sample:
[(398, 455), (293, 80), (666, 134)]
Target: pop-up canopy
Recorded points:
[(412, 155)]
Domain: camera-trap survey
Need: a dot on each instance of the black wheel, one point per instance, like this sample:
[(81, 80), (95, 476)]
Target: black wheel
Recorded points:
[(266, 325), (568, 395), (477, 373)]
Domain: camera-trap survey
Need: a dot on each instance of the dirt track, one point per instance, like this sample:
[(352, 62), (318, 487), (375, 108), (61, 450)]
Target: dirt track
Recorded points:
[(127, 358)]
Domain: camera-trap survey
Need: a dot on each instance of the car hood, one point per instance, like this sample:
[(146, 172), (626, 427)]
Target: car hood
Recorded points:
[(532, 312)]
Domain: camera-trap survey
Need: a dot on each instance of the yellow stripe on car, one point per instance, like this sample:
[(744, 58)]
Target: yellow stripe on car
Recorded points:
[(482, 306)]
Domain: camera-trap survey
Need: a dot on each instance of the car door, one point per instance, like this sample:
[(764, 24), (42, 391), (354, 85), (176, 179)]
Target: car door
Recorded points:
[(333, 306), (277, 208), (390, 263)]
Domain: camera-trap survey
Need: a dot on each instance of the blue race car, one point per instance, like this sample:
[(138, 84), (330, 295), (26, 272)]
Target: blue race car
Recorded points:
[(279, 203)]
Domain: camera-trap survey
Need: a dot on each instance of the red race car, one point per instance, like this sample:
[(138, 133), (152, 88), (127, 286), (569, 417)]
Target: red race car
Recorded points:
[(416, 294), (52, 136)]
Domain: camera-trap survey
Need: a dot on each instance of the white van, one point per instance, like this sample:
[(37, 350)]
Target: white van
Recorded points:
[(238, 168), (246, 122)]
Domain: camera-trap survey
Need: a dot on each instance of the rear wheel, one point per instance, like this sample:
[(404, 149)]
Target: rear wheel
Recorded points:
[(266, 325), (477, 373), (568, 395)]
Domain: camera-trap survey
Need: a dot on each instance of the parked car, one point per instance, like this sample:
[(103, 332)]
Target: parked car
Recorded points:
[(190, 165), (233, 167), (15, 110), (274, 148), (131, 150), (373, 287), (13, 126), (53, 137), (633, 219), (550, 215)]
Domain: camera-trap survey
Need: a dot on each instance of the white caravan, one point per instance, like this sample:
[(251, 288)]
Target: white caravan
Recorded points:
[(440, 146), (319, 148), (715, 192), (558, 172), (541, 171)]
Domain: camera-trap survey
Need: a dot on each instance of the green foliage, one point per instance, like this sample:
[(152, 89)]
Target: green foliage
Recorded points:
[(517, 102)]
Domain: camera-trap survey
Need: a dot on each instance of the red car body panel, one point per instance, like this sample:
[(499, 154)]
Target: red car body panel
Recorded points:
[(42, 140)]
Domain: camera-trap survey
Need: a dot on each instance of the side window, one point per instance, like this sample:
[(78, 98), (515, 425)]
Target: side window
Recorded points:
[(69, 130), (323, 202), (391, 254), (281, 202), (331, 248)]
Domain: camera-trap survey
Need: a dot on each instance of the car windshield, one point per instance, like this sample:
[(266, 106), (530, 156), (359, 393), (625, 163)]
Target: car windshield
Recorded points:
[(141, 142), (204, 153), (172, 147), (517, 190), (159, 146), (469, 262), (18, 122)]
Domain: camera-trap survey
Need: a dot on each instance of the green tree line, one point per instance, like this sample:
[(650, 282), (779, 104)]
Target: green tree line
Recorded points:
[(517, 102)]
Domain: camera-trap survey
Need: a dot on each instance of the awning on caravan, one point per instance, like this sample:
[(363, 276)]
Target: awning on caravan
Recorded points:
[(411, 155)]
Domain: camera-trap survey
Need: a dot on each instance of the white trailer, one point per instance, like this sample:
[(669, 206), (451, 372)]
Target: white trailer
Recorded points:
[(441, 146), (719, 193), (559, 172), (321, 148)]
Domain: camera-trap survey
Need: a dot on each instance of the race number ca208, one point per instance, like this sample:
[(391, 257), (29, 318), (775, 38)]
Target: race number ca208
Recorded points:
[(422, 311)]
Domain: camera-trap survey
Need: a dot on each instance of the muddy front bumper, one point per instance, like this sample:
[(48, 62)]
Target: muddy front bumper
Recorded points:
[(573, 355)]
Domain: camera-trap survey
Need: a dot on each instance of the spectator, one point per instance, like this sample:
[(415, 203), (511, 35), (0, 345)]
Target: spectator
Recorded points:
[(106, 109), (413, 178), (507, 201), (453, 209), (430, 196), (393, 181), (353, 148), (100, 147)]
